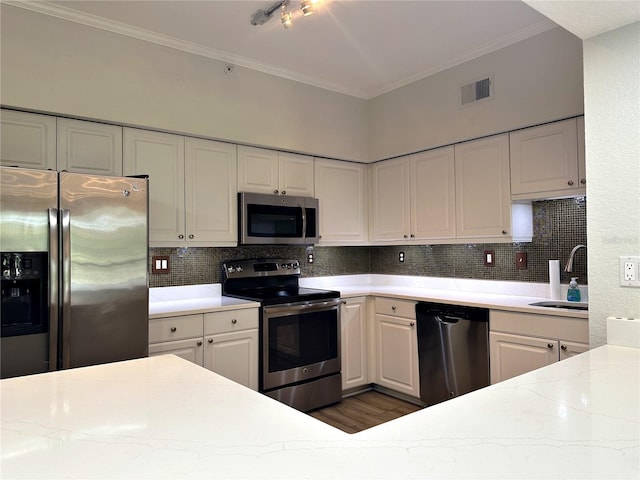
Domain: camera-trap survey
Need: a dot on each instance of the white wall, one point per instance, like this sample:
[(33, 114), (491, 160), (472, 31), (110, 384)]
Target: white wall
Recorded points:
[(612, 130), (535, 81), (61, 67)]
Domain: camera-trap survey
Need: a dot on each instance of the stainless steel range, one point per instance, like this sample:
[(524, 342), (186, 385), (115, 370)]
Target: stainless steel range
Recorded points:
[(299, 331)]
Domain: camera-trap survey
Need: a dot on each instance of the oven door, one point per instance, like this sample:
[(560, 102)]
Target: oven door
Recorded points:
[(300, 342)]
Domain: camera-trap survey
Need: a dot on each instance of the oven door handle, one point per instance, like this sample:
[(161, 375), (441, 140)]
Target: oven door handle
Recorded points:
[(297, 307)]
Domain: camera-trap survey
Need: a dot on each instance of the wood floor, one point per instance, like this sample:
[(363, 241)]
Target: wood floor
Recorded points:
[(363, 411)]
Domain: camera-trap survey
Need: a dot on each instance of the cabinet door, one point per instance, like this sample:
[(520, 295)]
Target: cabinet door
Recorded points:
[(89, 147), (390, 218), (513, 355), (190, 349), (433, 194), (397, 347), (570, 349), (483, 198), (257, 170), (582, 168), (353, 330), (544, 158), (28, 140), (295, 174), (161, 156), (234, 356), (340, 189), (211, 193)]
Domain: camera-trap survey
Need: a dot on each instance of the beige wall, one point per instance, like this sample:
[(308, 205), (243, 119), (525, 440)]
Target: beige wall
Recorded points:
[(535, 81), (61, 67), (612, 130)]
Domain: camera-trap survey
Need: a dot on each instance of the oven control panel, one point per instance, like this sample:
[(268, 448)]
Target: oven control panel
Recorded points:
[(261, 267)]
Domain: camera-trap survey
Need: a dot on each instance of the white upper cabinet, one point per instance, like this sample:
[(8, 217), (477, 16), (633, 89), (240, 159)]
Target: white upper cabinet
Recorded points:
[(89, 147), (268, 171), (192, 195), (211, 194), (483, 196), (341, 190), (161, 156), (390, 200), (28, 140), (548, 160), (296, 174), (433, 194)]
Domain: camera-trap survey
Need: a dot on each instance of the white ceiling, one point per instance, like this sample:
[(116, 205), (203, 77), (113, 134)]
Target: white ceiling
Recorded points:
[(360, 48)]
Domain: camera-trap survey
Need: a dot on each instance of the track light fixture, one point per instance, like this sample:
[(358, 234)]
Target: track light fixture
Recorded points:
[(262, 16)]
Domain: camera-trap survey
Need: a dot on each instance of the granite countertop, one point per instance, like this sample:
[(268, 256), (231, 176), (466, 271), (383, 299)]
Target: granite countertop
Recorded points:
[(163, 417)]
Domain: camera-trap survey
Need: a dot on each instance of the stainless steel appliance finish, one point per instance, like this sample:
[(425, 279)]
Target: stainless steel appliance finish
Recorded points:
[(453, 350), (277, 219), (299, 332), (94, 232)]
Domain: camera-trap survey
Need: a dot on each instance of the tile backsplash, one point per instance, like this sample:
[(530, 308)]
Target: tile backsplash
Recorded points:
[(558, 226)]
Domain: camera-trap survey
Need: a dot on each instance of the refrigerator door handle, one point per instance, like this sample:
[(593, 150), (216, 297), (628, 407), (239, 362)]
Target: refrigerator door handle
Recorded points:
[(53, 288), (65, 285)]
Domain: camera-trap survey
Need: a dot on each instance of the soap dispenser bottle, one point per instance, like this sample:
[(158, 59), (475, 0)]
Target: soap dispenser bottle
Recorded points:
[(573, 294)]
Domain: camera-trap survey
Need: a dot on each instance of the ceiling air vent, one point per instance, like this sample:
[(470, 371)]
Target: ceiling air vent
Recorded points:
[(476, 91)]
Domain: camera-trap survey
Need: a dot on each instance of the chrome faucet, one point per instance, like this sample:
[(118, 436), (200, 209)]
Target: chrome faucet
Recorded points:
[(569, 266)]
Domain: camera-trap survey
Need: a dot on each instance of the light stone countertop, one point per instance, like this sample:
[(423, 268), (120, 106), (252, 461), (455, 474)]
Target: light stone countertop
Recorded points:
[(497, 295), (500, 295), (192, 299), (163, 417)]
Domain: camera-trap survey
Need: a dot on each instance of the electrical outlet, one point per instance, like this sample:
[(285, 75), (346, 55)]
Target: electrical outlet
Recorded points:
[(630, 271), (401, 257)]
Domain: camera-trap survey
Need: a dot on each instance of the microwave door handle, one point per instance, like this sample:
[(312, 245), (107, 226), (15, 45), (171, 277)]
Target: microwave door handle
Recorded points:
[(304, 223)]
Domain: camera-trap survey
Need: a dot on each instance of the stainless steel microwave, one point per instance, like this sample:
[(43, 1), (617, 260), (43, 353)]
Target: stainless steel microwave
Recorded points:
[(266, 219)]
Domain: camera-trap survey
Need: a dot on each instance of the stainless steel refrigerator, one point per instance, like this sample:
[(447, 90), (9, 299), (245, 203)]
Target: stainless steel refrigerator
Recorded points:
[(74, 252)]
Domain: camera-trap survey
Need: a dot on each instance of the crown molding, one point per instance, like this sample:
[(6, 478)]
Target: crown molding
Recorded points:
[(120, 28)]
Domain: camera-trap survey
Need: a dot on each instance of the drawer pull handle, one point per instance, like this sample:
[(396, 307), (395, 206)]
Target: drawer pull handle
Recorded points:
[(173, 329), (563, 347), (199, 343), (550, 346), (344, 302), (412, 324), (210, 340), (394, 308), (570, 183), (234, 321)]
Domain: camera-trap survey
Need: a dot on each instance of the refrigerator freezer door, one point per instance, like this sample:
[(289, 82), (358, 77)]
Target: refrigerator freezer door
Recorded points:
[(104, 268), (28, 223), (25, 197)]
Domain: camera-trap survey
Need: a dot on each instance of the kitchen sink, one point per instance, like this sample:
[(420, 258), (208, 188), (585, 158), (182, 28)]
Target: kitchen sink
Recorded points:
[(561, 304)]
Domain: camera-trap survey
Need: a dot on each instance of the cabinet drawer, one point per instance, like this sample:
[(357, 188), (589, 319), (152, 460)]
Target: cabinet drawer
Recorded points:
[(230, 321), (175, 328), (538, 325), (399, 308)]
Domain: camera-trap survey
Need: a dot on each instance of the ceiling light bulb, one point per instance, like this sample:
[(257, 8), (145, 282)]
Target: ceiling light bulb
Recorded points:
[(308, 7), (286, 19)]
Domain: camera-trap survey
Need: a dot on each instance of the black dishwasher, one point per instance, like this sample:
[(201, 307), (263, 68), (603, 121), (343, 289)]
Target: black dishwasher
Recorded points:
[(453, 350)]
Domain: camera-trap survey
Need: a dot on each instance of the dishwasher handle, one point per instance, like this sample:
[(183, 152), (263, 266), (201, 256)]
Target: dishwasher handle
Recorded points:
[(446, 319)]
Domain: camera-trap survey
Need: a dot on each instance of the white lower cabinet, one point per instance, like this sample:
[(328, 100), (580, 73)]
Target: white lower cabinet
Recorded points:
[(521, 342), (353, 332), (397, 346), (181, 336), (231, 345), (190, 349), (225, 342)]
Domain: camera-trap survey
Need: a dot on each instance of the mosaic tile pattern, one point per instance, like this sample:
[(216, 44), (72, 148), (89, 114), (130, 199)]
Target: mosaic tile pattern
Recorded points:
[(558, 226)]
